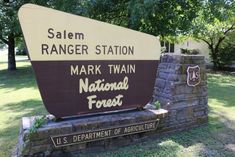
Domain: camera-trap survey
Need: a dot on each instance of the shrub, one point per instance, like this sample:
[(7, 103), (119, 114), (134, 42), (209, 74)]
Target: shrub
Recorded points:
[(38, 122), (157, 104), (226, 55), (190, 51), (226, 52)]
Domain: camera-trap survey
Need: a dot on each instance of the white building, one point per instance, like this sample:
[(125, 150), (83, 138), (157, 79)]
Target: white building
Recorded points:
[(190, 44)]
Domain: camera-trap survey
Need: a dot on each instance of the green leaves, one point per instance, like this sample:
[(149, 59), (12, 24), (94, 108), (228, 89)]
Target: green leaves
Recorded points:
[(155, 17), (157, 104), (215, 20), (38, 122)]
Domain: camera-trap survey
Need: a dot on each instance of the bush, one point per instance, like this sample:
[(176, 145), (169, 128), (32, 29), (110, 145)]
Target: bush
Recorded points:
[(190, 52), (226, 55)]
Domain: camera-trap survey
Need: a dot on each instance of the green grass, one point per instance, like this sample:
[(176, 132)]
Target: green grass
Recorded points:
[(19, 97)]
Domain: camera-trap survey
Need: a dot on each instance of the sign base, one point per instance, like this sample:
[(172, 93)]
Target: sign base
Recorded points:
[(76, 135)]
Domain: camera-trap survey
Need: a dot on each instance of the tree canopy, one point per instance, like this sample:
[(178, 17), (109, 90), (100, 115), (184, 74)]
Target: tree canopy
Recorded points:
[(9, 27), (215, 20), (156, 17)]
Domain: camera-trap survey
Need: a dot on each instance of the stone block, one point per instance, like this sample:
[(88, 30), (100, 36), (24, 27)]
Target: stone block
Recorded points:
[(162, 75), (39, 149), (184, 114), (51, 129), (41, 154), (160, 82), (185, 89), (199, 113)]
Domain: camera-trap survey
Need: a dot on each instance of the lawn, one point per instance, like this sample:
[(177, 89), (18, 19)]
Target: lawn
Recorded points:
[(19, 97)]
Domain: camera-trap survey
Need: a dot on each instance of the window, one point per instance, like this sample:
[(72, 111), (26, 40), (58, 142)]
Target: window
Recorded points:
[(169, 47)]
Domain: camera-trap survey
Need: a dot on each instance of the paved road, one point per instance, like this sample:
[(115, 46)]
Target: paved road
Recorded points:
[(4, 57)]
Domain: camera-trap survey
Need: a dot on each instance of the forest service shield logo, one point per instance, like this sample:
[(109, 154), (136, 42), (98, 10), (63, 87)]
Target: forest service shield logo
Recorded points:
[(193, 75)]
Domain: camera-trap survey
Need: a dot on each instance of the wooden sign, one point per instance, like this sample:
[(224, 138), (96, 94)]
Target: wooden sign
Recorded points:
[(84, 66)]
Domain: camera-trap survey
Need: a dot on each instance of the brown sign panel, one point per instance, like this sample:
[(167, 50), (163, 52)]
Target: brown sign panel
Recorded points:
[(193, 75), (84, 66), (95, 135)]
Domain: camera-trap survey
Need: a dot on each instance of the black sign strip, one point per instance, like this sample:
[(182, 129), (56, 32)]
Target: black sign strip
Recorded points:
[(100, 134)]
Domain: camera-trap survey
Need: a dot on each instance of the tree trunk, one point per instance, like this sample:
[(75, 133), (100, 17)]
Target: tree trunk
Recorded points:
[(214, 57), (11, 52)]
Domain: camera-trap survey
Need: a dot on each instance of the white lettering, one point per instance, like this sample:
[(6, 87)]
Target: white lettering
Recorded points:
[(100, 85), (116, 101)]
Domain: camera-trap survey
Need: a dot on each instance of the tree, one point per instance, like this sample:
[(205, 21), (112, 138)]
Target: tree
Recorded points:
[(215, 21), (9, 30), (9, 26), (156, 17)]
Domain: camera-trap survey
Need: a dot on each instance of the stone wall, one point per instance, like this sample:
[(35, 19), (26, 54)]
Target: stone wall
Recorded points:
[(187, 105), (39, 143)]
